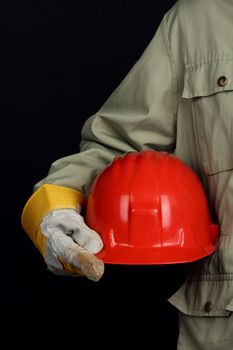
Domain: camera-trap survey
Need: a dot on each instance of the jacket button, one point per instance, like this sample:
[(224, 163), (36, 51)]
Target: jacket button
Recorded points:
[(208, 306), (222, 81)]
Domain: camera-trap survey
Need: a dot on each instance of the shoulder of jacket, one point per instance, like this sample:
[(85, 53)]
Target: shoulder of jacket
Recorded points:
[(193, 5), (183, 9), (186, 17)]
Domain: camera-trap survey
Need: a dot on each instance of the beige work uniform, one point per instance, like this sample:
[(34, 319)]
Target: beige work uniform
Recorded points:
[(179, 98)]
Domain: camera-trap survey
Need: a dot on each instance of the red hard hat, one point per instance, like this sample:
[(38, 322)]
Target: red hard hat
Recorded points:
[(150, 208)]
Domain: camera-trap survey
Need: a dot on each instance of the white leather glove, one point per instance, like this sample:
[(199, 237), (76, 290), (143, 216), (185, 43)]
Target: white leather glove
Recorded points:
[(71, 241)]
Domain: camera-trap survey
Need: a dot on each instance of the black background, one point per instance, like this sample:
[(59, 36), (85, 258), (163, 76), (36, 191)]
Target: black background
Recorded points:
[(60, 61)]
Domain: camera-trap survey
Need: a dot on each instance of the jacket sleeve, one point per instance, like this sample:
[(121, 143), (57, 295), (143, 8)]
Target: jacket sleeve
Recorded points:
[(140, 114)]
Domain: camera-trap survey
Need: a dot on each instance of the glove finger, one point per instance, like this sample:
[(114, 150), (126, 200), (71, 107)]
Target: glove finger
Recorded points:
[(64, 220), (63, 246), (70, 223), (92, 267), (87, 238)]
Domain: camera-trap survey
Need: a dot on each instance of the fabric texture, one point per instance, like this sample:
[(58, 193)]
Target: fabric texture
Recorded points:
[(205, 333)]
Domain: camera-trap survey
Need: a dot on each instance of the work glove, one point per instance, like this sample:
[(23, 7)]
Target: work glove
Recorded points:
[(71, 241)]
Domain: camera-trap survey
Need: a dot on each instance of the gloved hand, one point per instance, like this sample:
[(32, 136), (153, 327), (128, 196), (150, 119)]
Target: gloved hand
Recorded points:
[(70, 241)]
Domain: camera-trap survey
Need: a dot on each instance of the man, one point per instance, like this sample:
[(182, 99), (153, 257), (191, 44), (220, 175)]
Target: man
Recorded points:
[(177, 98)]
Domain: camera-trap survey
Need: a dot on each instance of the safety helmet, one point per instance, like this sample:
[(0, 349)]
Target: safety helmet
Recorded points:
[(149, 207)]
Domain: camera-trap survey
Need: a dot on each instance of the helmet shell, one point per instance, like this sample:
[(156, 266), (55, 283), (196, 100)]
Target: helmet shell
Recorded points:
[(149, 207)]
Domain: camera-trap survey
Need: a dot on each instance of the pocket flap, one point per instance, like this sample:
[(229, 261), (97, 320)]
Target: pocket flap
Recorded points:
[(208, 77), (208, 298)]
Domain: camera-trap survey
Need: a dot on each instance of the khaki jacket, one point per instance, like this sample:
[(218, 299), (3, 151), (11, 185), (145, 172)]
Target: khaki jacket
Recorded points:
[(178, 98)]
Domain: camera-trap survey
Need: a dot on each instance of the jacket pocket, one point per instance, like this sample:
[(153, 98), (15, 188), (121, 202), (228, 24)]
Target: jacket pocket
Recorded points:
[(209, 86)]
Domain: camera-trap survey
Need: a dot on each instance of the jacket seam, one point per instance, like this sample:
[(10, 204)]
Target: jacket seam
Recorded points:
[(210, 278), (205, 61), (211, 91), (172, 66)]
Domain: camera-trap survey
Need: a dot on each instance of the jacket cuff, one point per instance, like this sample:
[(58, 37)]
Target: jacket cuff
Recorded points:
[(45, 199)]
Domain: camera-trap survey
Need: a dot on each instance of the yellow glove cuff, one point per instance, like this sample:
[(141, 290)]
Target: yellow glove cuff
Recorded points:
[(46, 198)]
